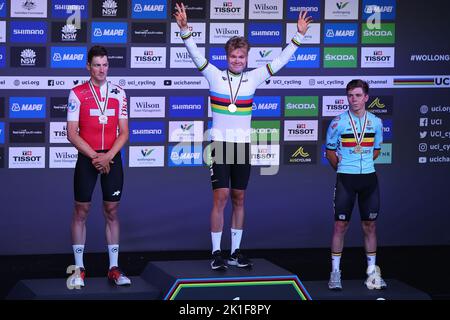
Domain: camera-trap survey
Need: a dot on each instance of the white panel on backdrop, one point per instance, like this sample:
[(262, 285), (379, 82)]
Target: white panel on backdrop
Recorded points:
[(263, 9), (221, 32), (312, 36), (62, 157), (198, 30), (230, 9)]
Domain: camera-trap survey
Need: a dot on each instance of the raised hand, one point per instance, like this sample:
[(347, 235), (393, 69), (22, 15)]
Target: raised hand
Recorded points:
[(181, 16), (303, 22)]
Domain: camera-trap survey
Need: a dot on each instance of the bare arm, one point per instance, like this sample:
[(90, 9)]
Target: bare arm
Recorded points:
[(376, 153), (332, 158), (79, 143)]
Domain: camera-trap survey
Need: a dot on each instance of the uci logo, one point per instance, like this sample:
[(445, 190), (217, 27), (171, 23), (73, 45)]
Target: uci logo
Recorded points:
[(442, 81)]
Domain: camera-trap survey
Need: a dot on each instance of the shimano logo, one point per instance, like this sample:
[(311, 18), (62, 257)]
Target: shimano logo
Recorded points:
[(217, 57), (147, 131), (186, 106), (265, 33), (298, 9), (28, 32), (71, 7)]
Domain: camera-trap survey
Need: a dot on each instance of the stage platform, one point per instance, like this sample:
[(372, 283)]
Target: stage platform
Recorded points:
[(194, 280)]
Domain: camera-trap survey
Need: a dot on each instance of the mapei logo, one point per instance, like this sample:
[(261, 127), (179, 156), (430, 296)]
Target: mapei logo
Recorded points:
[(341, 33), (266, 106), (383, 9), (104, 32), (68, 57), (305, 58), (185, 155), (27, 107), (149, 9)]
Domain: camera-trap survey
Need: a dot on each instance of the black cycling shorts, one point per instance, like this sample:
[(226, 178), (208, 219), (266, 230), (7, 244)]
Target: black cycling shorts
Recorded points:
[(348, 186), (85, 178), (231, 162)]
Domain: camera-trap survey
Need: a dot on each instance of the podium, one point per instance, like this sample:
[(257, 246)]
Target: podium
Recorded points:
[(194, 280)]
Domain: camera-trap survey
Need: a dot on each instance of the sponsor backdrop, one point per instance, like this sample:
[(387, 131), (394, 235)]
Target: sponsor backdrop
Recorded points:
[(400, 47)]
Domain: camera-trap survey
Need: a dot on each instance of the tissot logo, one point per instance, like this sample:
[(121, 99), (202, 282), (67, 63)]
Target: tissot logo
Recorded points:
[(198, 32), (105, 32), (109, 9), (265, 155), (148, 32), (232, 9), (145, 57), (334, 105), (63, 32), (149, 9), (28, 57), (26, 157), (379, 57), (300, 130), (25, 132)]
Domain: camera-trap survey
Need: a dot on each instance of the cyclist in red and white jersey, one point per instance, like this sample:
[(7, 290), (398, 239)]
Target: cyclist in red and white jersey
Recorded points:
[(97, 125)]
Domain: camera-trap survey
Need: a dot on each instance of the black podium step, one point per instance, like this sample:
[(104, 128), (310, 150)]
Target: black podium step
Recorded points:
[(195, 280), (356, 290), (95, 289)]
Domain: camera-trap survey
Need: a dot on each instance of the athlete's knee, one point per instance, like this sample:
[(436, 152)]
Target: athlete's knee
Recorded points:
[(369, 227), (221, 197), (111, 211), (81, 211), (340, 227), (237, 196)]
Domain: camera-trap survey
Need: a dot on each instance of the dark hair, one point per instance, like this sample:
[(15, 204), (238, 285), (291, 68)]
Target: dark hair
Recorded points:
[(236, 43), (358, 83), (97, 51)]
